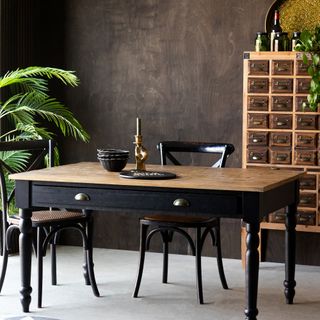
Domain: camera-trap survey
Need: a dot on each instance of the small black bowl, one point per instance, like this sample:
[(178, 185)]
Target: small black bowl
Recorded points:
[(114, 165)]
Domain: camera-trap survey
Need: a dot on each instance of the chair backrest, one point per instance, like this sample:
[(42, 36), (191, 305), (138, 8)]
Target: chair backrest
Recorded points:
[(33, 155), (222, 150)]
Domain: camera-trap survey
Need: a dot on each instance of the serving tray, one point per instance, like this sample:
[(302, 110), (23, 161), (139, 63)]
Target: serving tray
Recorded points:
[(151, 175)]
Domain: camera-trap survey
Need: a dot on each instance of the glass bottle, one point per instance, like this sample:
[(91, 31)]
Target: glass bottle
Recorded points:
[(295, 38), (262, 42), (275, 28)]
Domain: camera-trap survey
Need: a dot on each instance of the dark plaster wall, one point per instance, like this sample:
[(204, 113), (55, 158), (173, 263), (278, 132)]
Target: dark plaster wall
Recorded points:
[(177, 64)]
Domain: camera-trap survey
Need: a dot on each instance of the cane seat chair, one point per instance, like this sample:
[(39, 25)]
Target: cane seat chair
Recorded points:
[(167, 225), (45, 223)]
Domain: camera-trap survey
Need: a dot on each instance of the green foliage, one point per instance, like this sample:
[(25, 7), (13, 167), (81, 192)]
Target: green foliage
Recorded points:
[(30, 101), (29, 107), (310, 43)]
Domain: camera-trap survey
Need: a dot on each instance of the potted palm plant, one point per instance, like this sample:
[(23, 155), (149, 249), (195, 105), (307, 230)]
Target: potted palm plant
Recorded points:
[(29, 105)]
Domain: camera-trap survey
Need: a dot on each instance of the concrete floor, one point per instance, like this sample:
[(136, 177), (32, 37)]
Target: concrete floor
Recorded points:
[(116, 271)]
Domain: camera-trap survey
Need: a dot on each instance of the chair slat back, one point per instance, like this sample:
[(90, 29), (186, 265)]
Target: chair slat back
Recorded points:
[(38, 150), (166, 148)]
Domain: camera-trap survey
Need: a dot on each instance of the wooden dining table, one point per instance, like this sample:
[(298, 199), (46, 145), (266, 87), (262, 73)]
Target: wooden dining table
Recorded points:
[(245, 194)]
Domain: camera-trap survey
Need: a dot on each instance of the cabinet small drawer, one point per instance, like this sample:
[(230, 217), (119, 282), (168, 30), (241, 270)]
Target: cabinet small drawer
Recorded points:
[(306, 217), (278, 216), (280, 139), (299, 103), (258, 67), (282, 67), (258, 121), (307, 200), (257, 155), (258, 138), (306, 140), (308, 182), (257, 103), (282, 85), (306, 122), (258, 85), (281, 103), (305, 157), (301, 68), (280, 156), (280, 121), (302, 85)]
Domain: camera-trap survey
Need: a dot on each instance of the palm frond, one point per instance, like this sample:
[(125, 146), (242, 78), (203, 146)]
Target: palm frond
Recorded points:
[(17, 160)]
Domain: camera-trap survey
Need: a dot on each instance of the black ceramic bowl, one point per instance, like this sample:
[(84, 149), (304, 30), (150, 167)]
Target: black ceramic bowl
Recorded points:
[(113, 164)]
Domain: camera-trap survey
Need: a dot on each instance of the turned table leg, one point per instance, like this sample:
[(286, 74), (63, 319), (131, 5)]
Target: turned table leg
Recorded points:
[(25, 243), (252, 269)]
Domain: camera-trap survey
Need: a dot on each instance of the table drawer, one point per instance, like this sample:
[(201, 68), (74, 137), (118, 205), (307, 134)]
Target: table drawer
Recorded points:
[(99, 198)]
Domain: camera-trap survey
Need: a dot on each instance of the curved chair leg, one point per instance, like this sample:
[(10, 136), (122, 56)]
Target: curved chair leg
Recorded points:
[(85, 265), (198, 265), (40, 266), (4, 266), (217, 242), (143, 235)]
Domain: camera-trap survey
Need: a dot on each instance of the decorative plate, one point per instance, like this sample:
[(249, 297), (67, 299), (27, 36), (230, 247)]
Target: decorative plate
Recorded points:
[(295, 15)]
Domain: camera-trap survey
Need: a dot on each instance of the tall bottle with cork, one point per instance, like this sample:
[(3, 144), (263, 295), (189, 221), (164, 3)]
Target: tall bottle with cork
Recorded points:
[(275, 28)]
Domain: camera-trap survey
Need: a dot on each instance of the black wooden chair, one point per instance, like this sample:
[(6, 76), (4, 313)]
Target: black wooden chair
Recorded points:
[(46, 223), (167, 225)]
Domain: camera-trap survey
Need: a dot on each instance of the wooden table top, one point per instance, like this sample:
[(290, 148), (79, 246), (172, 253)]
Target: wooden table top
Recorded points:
[(188, 177)]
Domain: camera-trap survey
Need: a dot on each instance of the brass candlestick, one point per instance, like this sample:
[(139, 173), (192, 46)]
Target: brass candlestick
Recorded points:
[(140, 152)]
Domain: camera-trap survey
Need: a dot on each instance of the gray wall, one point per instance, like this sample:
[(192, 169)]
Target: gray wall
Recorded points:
[(177, 64)]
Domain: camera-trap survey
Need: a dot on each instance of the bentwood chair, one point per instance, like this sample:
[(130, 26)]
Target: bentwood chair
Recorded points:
[(167, 225), (46, 223)]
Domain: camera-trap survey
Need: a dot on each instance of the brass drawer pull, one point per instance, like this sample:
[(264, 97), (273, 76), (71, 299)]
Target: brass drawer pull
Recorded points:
[(283, 87), (281, 123), (306, 123), (256, 140), (257, 123), (282, 157), (306, 159), (281, 105), (281, 140), (305, 201), (256, 158), (180, 202), (306, 184), (81, 197), (258, 104)]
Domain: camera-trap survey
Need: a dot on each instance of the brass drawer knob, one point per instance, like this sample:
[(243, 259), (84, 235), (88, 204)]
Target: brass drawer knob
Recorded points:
[(81, 197), (180, 202)]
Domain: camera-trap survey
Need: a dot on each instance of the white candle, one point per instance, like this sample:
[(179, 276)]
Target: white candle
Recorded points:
[(138, 127)]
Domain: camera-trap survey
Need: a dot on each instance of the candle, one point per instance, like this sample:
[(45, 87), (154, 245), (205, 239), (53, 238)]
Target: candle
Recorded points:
[(138, 127)]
